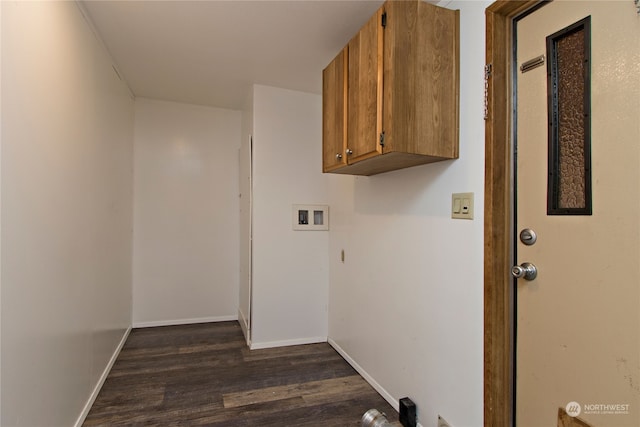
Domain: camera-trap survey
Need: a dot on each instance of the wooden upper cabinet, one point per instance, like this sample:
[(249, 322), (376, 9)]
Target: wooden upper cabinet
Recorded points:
[(334, 113), (421, 80), (403, 84), (364, 122)]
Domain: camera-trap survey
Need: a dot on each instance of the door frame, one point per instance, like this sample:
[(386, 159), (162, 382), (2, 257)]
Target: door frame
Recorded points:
[(499, 323)]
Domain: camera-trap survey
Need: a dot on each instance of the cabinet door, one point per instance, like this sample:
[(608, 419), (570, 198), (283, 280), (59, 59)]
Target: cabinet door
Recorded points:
[(421, 80), (364, 123), (334, 113)]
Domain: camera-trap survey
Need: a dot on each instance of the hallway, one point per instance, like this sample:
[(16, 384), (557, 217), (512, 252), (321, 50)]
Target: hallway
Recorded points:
[(204, 374)]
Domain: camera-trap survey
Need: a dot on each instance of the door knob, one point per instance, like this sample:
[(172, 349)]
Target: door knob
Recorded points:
[(526, 271), (349, 151), (339, 156)]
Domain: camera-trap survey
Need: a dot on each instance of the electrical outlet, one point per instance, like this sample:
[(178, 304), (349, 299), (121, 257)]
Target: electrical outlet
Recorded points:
[(442, 422)]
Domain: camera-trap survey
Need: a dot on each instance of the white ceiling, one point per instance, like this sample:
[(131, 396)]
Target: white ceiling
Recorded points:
[(210, 52)]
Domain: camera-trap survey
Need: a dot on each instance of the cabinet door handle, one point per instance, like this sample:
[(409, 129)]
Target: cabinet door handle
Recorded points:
[(349, 151), (339, 156)]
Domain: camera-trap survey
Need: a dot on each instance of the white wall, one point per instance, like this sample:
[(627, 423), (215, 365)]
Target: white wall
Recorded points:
[(185, 252), (290, 268), (0, 214), (245, 153), (407, 303), (67, 138)]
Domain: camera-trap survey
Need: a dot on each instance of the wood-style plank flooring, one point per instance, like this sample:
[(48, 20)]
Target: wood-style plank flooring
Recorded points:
[(204, 374)]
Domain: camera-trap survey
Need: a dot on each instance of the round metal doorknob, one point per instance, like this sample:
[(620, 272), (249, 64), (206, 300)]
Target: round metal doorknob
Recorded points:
[(349, 151), (339, 156), (526, 271)]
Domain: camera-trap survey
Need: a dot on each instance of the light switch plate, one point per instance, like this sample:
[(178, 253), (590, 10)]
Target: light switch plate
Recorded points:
[(462, 205)]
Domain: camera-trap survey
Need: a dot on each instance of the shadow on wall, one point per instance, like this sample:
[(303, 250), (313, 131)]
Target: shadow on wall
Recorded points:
[(404, 191)]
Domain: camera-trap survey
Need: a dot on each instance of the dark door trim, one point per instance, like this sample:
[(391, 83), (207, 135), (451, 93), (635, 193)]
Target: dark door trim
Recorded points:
[(498, 285)]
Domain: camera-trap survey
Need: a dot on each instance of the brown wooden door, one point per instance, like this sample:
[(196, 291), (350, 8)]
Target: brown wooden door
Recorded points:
[(334, 112), (578, 321), (364, 123)]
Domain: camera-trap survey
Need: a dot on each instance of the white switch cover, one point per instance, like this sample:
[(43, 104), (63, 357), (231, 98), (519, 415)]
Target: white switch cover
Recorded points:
[(457, 203), (462, 205)]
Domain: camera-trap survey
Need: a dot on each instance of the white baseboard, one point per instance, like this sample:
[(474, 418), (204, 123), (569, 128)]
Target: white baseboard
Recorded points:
[(184, 321), (286, 343), (101, 380), (364, 374), (384, 393)]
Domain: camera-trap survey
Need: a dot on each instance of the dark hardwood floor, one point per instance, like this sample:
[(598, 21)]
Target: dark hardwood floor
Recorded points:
[(204, 374)]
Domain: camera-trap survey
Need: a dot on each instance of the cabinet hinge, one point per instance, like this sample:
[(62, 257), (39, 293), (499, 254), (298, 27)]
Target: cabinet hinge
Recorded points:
[(384, 20), (382, 139)]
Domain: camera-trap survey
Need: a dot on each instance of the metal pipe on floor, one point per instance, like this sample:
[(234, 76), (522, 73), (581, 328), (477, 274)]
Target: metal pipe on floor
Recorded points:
[(375, 418)]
